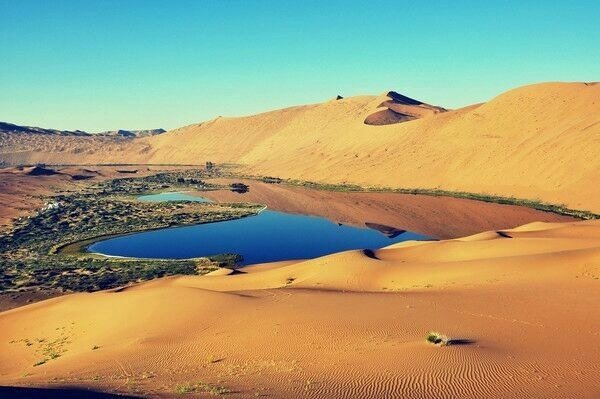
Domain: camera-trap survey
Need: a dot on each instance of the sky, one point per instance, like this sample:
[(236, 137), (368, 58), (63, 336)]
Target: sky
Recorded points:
[(138, 64)]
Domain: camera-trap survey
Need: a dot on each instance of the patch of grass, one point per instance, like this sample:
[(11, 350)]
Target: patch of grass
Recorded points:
[(183, 389), (216, 390), (438, 339), (200, 386)]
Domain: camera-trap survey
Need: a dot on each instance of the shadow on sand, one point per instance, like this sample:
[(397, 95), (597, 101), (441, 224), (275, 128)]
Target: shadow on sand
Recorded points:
[(454, 342), (58, 393), (370, 254)]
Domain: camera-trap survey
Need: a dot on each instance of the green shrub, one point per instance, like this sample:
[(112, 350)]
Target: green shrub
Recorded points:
[(438, 339)]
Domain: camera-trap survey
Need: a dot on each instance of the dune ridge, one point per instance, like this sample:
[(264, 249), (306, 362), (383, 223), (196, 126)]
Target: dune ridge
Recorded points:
[(399, 108)]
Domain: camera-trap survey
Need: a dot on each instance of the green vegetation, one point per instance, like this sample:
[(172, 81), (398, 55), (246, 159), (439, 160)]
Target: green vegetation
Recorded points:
[(87, 273), (202, 387), (76, 217), (49, 349), (270, 180), (239, 187), (438, 339), (46, 250), (211, 359)]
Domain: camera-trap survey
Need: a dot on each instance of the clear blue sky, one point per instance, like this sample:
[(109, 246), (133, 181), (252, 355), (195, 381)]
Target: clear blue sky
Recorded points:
[(98, 65)]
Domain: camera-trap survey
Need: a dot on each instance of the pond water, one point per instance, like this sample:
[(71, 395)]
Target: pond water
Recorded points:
[(175, 196), (267, 237)]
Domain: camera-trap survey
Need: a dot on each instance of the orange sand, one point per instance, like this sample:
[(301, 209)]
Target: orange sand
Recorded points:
[(538, 141), (345, 325)]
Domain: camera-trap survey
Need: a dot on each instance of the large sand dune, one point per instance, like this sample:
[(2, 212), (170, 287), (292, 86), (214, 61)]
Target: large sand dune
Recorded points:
[(524, 302), (537, 142)]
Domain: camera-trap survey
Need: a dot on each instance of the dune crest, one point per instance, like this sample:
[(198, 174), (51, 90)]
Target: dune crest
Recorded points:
[(399, 108)]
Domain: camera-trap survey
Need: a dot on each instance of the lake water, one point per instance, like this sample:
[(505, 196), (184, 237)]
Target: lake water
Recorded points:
[(175, 196), (267, 237)]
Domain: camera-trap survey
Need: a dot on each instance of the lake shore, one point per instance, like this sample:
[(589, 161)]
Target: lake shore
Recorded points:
[(435, 216)]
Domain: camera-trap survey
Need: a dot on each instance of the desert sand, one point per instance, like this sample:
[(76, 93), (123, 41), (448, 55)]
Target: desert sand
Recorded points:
[(520, 303), (524, 302), (535, 142), (20, 192)]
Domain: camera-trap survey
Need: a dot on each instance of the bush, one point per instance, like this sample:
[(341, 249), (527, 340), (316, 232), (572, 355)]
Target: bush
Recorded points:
[(438, 339)]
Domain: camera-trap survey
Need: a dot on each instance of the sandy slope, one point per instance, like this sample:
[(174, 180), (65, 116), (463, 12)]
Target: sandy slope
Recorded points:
[(346, 325), (539, 141), (20, 193)]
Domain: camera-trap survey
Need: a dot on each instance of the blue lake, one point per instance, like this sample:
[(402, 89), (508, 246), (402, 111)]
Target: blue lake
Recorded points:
[(267, 237), (175, 196)]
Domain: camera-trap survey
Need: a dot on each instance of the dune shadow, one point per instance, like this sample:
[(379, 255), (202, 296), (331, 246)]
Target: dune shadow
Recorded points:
[(236, 272), (57, 393), (503, 234), (369, 253), (459, 341)]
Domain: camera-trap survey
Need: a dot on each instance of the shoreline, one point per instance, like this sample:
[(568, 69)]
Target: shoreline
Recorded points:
[(80, 247), (489, 198)]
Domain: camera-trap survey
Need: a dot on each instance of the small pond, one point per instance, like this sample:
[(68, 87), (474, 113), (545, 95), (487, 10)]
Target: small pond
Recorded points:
[(174, 196), (267, 237)]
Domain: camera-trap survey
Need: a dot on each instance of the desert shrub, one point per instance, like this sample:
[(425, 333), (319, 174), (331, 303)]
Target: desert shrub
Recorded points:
[(438, 339)]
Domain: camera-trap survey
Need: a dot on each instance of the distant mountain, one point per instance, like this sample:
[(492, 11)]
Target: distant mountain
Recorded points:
[(132, 133), (6, 127)]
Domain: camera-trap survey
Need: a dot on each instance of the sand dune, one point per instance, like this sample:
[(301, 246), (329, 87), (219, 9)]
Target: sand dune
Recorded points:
[(346, 325), (535, 142), (398, 108)]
